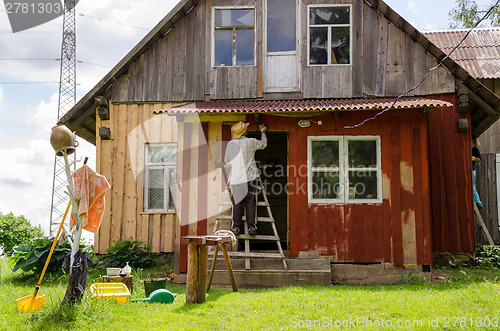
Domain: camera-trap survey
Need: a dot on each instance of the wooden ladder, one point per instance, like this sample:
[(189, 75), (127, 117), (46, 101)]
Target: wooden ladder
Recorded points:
[(247, 254)]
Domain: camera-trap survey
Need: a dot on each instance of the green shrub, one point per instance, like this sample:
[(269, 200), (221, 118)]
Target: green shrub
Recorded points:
[(16, 230), (136, 252), (33, 255), (488, 256)]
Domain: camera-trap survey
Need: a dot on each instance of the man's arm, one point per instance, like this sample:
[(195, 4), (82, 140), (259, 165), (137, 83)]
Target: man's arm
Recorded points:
[(262, 143)]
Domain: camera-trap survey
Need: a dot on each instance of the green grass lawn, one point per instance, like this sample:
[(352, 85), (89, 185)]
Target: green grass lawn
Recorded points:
[(466, 299)]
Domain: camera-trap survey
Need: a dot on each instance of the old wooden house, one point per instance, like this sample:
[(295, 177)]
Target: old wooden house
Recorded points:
[(366, 180)]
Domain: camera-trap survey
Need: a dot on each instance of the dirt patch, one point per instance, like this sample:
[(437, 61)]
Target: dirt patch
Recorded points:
[(439, 276)]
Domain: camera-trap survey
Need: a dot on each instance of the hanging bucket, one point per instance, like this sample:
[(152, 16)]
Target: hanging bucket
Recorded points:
[(62, 139)]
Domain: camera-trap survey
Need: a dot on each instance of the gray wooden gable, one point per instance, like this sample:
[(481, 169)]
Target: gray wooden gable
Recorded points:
[(177, 67)]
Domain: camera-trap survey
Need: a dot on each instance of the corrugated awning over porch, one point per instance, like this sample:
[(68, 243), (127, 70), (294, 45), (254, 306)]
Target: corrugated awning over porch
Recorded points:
[(309, 105)]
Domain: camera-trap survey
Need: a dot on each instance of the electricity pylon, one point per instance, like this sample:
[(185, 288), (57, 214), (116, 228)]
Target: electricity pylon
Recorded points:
[(67, 99)]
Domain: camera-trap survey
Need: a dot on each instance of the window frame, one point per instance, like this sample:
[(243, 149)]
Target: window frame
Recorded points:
[(166, 167), (344, 169), (329, 26), (234, 65)]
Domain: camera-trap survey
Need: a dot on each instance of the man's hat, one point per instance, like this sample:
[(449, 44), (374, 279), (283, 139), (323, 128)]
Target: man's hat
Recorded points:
[(239, 129)]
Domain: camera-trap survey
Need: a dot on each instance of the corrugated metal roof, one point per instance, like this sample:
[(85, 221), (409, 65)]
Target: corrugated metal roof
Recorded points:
[(479, 54), (264, 106)]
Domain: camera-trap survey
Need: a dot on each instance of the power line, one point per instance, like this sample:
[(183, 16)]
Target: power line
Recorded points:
[(425, 76), (113, 22)]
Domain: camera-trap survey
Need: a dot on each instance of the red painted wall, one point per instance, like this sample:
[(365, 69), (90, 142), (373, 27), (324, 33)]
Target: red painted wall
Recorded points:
[(451, 181), (363, 233), (435, 212)]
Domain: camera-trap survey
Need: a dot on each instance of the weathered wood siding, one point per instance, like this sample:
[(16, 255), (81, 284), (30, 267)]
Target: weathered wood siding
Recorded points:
[(451, 181), (199, 181), (490, 139), (486, 184), (121, 161), (178, 67), (398, 230)]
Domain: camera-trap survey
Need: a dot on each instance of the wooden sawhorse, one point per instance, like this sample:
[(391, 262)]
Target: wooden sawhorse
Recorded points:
[(196, 284)]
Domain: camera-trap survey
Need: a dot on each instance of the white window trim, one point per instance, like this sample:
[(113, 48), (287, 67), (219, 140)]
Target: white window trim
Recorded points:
[(344, 169), (329, 35), (166, 184), (254, 34)]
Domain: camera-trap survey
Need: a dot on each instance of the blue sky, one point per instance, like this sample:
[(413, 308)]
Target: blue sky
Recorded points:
[(28, 111)]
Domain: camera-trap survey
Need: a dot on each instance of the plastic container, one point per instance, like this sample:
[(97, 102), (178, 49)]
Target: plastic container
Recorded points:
[(110, 291), (23, 304), (152, 284)]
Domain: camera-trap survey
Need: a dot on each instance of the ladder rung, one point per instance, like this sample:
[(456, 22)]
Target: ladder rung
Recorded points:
[(257, 237), (259, 219), (259, 204)]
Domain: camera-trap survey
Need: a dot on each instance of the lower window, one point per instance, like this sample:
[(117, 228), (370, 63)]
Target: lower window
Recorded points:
[(344, 169)]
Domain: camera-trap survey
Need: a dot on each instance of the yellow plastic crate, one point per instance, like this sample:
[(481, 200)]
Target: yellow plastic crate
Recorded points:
[(110, 291)]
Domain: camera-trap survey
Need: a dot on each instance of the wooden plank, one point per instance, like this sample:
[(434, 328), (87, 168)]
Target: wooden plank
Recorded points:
[(369, 47), (155, 246), (426, 203), (171, 62), (189, 56), (139, 159), (407, 195), (168, 234), (199, 53), (396, 56), (387, 177), (140, 78), (183, 177), (119, 174), (131, 184), (202, 180), (397, 235), (410, 63), (214, 193), (162, 69), (145, 228), (419, 68), (418, 188), (382, 57), (312, 228)]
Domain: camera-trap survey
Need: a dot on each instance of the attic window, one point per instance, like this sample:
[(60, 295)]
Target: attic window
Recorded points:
[(329, 37), (234, 37)]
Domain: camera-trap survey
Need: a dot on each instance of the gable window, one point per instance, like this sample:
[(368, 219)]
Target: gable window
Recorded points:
[(329, 35), (344, 169), (160, 177), (234, 36)]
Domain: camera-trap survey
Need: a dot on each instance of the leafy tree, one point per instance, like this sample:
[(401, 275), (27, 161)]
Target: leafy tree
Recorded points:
[(16, 230), (467, 14)]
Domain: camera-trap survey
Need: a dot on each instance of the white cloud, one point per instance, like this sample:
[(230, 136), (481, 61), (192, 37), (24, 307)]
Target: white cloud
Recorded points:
[(1, 94), (45, 116), (412, 5)]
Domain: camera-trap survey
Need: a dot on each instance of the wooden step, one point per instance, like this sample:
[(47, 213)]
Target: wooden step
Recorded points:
[(250, 254), (259, 219), (258, 237)]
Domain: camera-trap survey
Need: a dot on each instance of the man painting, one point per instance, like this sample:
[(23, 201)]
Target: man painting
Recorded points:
[(240, 155)]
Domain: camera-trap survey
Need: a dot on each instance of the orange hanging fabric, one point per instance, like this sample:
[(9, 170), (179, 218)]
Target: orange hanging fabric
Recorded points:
[(89, 188)]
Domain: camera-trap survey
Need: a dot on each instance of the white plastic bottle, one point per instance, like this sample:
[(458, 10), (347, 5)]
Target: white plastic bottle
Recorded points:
[(127, 270)]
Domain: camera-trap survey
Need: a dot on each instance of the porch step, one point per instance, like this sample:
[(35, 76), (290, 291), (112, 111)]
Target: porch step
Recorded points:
[(273, 278), (293, 264)]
